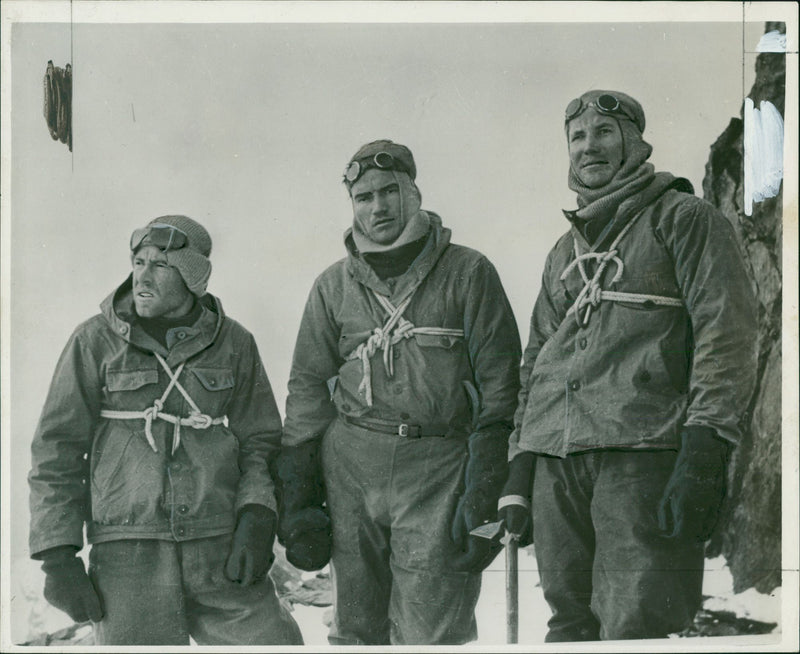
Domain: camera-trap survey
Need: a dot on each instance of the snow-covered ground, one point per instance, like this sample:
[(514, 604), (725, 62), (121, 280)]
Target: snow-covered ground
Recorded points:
[(31, 615), (534, 612)]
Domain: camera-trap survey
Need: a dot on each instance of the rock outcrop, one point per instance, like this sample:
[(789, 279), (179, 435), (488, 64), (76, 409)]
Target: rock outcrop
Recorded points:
[(749, 535)]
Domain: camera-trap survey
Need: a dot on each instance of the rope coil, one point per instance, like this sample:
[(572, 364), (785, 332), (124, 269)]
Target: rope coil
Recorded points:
[(58, 102)]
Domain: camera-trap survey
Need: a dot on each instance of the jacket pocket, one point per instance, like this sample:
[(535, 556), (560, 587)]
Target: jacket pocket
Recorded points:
[(215, 379), (130, 380), (435, 340), (657, 283), (127, 477), (213, 390)]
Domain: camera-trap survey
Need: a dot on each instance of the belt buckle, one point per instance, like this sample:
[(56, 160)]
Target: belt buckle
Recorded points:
[(405, 430)]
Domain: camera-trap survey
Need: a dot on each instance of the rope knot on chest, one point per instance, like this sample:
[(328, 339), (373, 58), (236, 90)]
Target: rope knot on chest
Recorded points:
[(395, 329), (196, 418), (592, 293)]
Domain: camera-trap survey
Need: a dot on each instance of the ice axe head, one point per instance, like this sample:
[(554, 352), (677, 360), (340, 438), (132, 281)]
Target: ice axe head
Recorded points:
[(491, 531)]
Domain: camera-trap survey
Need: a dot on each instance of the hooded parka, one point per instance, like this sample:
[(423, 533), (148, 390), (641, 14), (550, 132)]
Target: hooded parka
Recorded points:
[(393, 499), (637, 372), (668, 342), (102, 472), (453, 287)]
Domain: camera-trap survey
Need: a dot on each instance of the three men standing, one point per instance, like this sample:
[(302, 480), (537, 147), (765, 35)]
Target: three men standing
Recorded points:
[(160, 424), (635, 381), (401, 399)]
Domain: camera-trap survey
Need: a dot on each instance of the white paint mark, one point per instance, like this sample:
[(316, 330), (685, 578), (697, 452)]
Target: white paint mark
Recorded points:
[(772, 41), (763, 152)]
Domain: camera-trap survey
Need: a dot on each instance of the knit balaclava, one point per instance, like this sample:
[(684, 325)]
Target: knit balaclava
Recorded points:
[(416, 222), (191, 260), (634, 174)]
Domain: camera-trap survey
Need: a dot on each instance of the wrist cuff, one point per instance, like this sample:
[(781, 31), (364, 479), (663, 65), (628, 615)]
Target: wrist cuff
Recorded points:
[(508, 500)]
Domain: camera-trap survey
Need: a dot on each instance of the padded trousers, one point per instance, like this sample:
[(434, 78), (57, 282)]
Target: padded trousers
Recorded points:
[(158, 592), (392, 502), (607, 571)]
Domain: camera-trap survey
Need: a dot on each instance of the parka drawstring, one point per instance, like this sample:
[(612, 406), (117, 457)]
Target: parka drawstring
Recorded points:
[(592, 294), (196, 419), (383, 338)]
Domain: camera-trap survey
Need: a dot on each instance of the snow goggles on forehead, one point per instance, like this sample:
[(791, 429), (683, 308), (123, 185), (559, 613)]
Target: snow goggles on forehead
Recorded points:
[(382, 160), (605, 104), (164, 237)]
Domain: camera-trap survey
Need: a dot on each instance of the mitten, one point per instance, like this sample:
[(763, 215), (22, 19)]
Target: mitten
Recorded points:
[(68, 587), (251, 548), (304, 527), (487, 468), (694, 493)]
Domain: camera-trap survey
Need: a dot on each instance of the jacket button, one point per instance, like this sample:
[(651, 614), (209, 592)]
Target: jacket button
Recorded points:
[(183, 508), (583, 343), (212, 382), (345, 407), (123, 329), (181, 335), (575, 385), (180, 531), (398, 390)]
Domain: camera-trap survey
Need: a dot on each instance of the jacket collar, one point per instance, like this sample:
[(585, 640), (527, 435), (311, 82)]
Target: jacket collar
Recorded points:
[(120, 314), (661, 183), (407, 283)]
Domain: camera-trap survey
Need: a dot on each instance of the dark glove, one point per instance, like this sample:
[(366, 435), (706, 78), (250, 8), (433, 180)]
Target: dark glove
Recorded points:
[(487, 469), (308, 538), (518, 518), (251, 549), (694, 493), (304, 527), (68, 587)]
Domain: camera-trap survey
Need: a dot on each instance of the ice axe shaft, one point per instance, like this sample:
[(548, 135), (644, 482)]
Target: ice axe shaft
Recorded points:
[(512, 591), (490, 531)]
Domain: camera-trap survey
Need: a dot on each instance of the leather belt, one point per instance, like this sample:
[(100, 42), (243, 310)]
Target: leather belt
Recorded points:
[(403, 430)]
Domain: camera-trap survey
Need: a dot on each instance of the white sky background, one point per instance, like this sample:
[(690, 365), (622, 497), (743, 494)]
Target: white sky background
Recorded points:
[(247, 128)]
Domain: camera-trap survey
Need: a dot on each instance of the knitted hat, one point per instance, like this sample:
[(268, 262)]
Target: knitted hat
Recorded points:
[(628, 107), (401, 160), (190, 260)]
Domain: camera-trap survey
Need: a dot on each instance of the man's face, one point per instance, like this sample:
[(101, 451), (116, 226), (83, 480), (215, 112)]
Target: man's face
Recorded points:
[(596, 148), (377, 206), (158, 288)]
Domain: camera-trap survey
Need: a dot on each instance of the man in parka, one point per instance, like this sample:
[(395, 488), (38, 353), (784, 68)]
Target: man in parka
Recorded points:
[(635, 382), (401, 399), (156, 436)]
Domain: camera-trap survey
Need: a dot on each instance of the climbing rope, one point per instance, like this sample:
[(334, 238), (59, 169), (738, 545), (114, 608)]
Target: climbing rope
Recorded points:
[(58, 102), (592, 294), (383, 338), (196, 419)]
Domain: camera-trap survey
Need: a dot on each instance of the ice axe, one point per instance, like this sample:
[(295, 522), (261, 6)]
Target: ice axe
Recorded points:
[(490, 530)]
